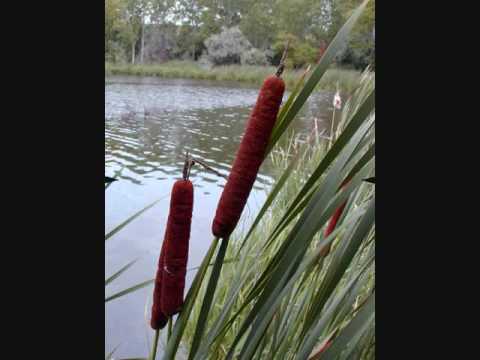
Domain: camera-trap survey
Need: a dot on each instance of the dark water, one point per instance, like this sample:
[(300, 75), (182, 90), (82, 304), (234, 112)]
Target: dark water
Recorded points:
[(149, 124)]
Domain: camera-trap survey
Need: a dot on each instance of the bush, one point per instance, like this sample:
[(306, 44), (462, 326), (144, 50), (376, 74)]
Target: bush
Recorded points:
[(253, 57), (227, 47)]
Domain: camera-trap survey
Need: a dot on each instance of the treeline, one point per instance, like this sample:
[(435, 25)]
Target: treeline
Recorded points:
[(234, 31)]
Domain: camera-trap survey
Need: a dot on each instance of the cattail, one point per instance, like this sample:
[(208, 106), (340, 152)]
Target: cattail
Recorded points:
[(172, 266), (333, 221), (176, 247), (249, 156)]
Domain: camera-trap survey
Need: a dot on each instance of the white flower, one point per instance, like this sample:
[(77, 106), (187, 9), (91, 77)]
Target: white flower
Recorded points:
[(337, 101)]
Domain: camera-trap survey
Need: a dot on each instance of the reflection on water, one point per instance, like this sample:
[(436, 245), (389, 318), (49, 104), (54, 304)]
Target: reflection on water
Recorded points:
[(149, 125)]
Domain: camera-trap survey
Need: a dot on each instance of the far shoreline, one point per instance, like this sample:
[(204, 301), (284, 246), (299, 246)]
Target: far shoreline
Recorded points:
[(347, 79)]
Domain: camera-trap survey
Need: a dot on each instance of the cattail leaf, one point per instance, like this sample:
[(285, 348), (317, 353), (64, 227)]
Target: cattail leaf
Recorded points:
[(339, 40), (279, 291), (226, 261), (208, 298), (344, 309), (321, 323), (119, 272), (309, 187), (357, 120), (353, 331), (275, 298), (322, 195), (109, 356), (293, 95), (323, 345), (340, 264), (314, 216), (129, 220), (219, 325), (276, 287), (180, 324), (300, 202), (129, 290), (271, 197), (366, 157)]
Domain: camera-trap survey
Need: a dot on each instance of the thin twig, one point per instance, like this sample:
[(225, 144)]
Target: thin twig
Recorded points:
[(187, 166), (209, 168), (281, 66)]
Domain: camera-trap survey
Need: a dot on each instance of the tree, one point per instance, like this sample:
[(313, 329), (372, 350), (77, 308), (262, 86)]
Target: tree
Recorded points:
[(183, 26), (190, 37), (258, 24), (360, 50), (113, 25)]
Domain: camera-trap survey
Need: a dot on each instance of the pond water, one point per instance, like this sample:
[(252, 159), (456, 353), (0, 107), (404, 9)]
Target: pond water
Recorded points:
[(149, 125)]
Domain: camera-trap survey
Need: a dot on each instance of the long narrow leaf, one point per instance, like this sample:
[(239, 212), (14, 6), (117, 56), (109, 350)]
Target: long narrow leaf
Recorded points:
[(129, 220), (355, 328), (119, 272), (208, 298), (129, 290)]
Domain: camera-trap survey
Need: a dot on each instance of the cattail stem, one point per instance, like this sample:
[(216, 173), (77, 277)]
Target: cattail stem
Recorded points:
[(209, 168), (331, 129), (208, 299), (281, 66), (155, 344), (169, 328), (187, 167)]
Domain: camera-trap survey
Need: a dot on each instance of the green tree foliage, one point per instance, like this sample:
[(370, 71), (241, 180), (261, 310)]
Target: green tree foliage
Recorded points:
[(300, 52), (361, 48), (310, 24), (113, 26), (259, 24)]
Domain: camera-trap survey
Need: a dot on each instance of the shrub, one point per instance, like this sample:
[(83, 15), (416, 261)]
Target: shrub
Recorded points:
[(253, 57), (227, 47)]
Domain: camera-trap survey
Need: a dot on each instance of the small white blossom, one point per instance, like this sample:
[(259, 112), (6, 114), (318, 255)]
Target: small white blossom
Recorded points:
[(337, 101)]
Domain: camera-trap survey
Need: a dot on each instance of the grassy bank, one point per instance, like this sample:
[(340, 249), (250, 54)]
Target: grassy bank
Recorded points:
[(347, 79)]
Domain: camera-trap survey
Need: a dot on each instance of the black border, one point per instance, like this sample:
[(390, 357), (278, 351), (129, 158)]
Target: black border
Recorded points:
[(426, 156), (53, 139)]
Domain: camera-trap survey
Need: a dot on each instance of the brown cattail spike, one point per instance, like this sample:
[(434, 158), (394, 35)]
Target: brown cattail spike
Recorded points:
[(172, 265), (176, 247), (334, 220), (249, 157)]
